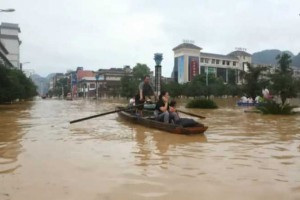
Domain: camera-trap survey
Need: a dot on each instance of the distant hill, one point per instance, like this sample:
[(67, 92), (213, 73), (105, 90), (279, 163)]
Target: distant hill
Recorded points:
[(269, 57), (41, 82), (265, 57), (50, 76)]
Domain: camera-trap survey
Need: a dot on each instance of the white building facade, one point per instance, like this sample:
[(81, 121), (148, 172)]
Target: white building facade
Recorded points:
[(189, 61), (9, 37)]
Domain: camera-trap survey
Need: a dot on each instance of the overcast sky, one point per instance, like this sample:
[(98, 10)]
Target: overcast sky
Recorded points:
[(58, 35)]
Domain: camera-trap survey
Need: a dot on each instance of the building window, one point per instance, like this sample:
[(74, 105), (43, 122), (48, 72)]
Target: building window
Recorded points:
[(92, 85), (228, 62), (234, 63), (213, 61), (223, 62), (206, 60), (217, 62), (202, 60)]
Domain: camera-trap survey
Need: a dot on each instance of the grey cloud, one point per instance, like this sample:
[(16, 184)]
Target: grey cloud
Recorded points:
[(60, 35)]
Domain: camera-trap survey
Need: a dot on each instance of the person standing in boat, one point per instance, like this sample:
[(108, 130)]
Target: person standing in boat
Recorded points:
[(144, 90), (161, 112)]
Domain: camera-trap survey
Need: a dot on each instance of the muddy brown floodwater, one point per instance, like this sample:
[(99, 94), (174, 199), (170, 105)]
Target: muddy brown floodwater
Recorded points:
[(241, 156)]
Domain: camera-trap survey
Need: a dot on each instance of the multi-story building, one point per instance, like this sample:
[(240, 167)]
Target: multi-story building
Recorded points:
[(110, 80), (3, 56), (106, 81), (190, 61), (9, 38), (55, 79), (83, 83)]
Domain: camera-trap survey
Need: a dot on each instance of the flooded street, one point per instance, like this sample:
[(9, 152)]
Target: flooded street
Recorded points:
[(240, 156)]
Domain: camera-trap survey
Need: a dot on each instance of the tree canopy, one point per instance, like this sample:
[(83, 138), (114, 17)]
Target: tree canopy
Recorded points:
[(254, 80), (283, 82), (15, 85), (131, 81)]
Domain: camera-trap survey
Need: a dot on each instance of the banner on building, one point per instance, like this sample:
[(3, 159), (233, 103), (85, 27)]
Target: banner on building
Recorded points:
[(193, 67), (181, 69)]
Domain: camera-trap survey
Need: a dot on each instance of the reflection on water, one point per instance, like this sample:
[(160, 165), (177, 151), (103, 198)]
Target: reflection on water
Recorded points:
[(241, 156), (10, 135), (155, 147)]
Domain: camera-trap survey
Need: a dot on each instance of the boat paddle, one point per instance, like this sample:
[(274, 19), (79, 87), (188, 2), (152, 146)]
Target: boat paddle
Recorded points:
[(102, 114), (191, 114)]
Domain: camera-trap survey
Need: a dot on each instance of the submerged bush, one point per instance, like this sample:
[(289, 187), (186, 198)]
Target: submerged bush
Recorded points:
[(201, 103), (271, 107)]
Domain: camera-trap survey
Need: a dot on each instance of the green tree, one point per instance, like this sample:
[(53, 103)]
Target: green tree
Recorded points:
[(254, 80), (15, 85), (174, 88), (232, 76), (215, 86), (140, 70), (62, 85), (283, 82), (129, 86), (233, 90), (130, 82)]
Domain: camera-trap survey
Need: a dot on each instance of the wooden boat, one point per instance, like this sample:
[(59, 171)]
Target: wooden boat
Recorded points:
[(239, 103), (147, 106), (149, 121)]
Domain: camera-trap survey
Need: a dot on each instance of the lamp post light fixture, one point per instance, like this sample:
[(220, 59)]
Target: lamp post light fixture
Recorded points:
[(7, 10), (158, 57), (23, 63)]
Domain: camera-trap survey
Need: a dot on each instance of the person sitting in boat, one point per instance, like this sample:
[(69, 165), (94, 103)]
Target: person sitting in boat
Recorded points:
[(250, 100), (161, 112), (258, 99), (172, 109), (244, 99), (144, 90), (131, 102)]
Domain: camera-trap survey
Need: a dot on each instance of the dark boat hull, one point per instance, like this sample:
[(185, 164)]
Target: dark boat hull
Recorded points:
[(249, 104), (172, 128)]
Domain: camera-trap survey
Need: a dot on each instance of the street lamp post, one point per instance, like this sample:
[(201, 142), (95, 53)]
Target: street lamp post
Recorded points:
[(7, 10), (23, 63), (97, 78), (158, 57), (206, 76)]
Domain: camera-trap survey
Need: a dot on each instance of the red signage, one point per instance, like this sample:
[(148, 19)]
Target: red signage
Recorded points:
[(193, 68)]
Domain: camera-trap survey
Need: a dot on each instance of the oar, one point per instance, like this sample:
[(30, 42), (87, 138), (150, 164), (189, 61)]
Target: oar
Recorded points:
[(102, 114), (194, 115)]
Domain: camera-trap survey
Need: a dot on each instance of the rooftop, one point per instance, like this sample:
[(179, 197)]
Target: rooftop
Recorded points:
[(187, 46), (112, 70), (85, 73), (10, 26), (212, 55), (239, 53)]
